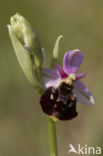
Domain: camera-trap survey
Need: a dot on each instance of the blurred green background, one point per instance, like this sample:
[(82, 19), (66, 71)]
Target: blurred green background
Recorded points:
[(23, 126)]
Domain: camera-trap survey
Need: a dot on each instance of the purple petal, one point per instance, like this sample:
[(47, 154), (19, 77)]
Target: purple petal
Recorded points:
[(83, 94), (61, 71), (72, 60), (51, 77), (79, 76)]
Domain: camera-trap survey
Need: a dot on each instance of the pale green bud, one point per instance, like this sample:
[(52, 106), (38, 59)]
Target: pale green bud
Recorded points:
[(27, 47)]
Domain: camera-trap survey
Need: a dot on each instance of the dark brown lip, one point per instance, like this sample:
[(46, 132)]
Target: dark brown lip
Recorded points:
[(53, 103)]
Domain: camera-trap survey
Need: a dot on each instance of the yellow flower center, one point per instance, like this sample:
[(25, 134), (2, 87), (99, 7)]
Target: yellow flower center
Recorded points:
[(69, 80)]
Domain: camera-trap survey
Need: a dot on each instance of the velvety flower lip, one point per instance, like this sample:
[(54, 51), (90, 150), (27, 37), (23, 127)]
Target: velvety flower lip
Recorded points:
[(71, 63), (54, 106)]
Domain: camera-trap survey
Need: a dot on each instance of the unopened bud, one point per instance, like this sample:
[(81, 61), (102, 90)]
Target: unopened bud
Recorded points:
[(27, 47)]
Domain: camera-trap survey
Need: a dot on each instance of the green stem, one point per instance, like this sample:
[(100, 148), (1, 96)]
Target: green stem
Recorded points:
[(52, 137)]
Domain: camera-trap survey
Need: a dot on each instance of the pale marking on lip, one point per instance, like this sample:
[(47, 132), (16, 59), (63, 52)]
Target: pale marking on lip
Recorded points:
[(51, 96), (70, 105)]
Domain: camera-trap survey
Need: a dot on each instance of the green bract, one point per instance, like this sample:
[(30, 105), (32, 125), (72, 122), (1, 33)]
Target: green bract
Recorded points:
[(56, 52), (27, 47)]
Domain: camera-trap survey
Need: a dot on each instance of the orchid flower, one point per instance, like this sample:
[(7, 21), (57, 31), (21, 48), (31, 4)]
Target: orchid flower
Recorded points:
[(68, 73), (60, 88)]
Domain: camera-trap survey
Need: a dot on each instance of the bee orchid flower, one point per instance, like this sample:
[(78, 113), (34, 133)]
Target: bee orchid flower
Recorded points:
[(64, 89), (61, 86)]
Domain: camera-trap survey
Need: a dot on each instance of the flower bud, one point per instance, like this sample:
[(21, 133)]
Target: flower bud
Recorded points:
[(27, 47)]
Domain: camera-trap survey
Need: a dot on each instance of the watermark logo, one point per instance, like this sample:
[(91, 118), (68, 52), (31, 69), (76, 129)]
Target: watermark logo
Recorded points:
[(84, 149)]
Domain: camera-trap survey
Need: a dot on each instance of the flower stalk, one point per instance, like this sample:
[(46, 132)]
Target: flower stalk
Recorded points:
[(52, 137)]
